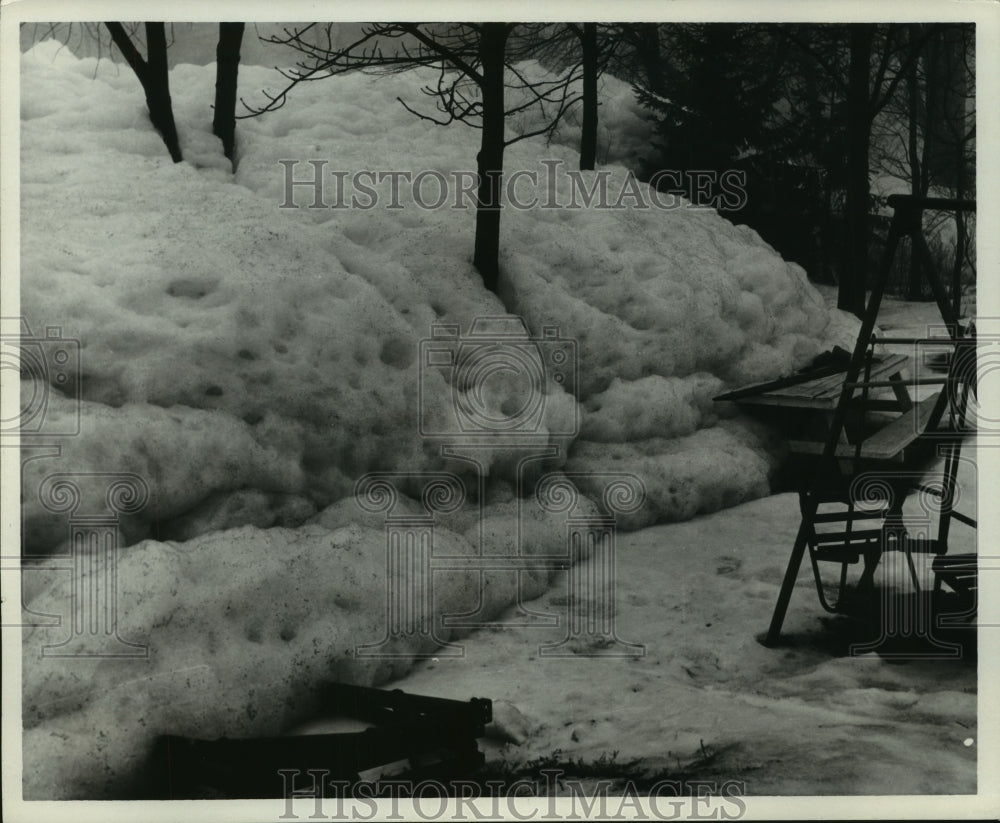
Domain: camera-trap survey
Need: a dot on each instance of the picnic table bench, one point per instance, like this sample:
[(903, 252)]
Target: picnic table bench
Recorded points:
[(810, 401)]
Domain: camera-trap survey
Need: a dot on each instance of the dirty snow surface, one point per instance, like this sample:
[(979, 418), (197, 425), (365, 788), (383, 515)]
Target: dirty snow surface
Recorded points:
[(251, 364)]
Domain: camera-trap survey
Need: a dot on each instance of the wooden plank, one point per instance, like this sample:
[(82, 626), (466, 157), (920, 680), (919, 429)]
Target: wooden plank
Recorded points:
[(818, 393), (959, 571), (888, 443), (760, 389), (843, 516), (899, 389), (855, 535)]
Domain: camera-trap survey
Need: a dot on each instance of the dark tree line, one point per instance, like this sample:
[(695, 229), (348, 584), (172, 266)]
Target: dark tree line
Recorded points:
[(806, 112), (934, 125), (802, 110)]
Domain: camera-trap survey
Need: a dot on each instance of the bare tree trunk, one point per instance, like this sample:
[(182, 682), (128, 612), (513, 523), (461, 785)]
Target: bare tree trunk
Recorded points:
[(854, 279), (227, 64), (958, 87), (155, 80), (956, 271), (161, 110), (948, 69), (588, 137), (649, 56), (914, 289), (492, 45)]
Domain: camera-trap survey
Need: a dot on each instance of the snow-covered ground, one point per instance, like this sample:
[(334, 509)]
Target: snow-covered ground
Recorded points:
[(250, 363), (805, 718)]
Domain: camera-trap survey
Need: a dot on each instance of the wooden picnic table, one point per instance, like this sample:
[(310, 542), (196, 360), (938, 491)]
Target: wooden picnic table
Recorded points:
[(823, 393), (808, 405)]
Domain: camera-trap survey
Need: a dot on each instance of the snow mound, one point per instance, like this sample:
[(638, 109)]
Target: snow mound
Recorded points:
[(653, 406), (245, 340), (711, 469), (295, 333), (243, 628), (160, 445), (668, 292)]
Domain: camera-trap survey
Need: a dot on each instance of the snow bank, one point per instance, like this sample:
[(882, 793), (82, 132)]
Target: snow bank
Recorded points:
[(281, 353), (711, 469), (663, 292), (667, 308), (243, 628), (191, 458), (276, 350), (289, 338)]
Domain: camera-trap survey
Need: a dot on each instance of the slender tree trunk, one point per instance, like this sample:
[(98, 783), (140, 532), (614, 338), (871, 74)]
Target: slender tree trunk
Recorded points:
[(959, 88), (914, 290), (492, 45), (227, 64), (956, 271), (649, 56), (161, 110), (588, 137), (853, 278), (154, 77)]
